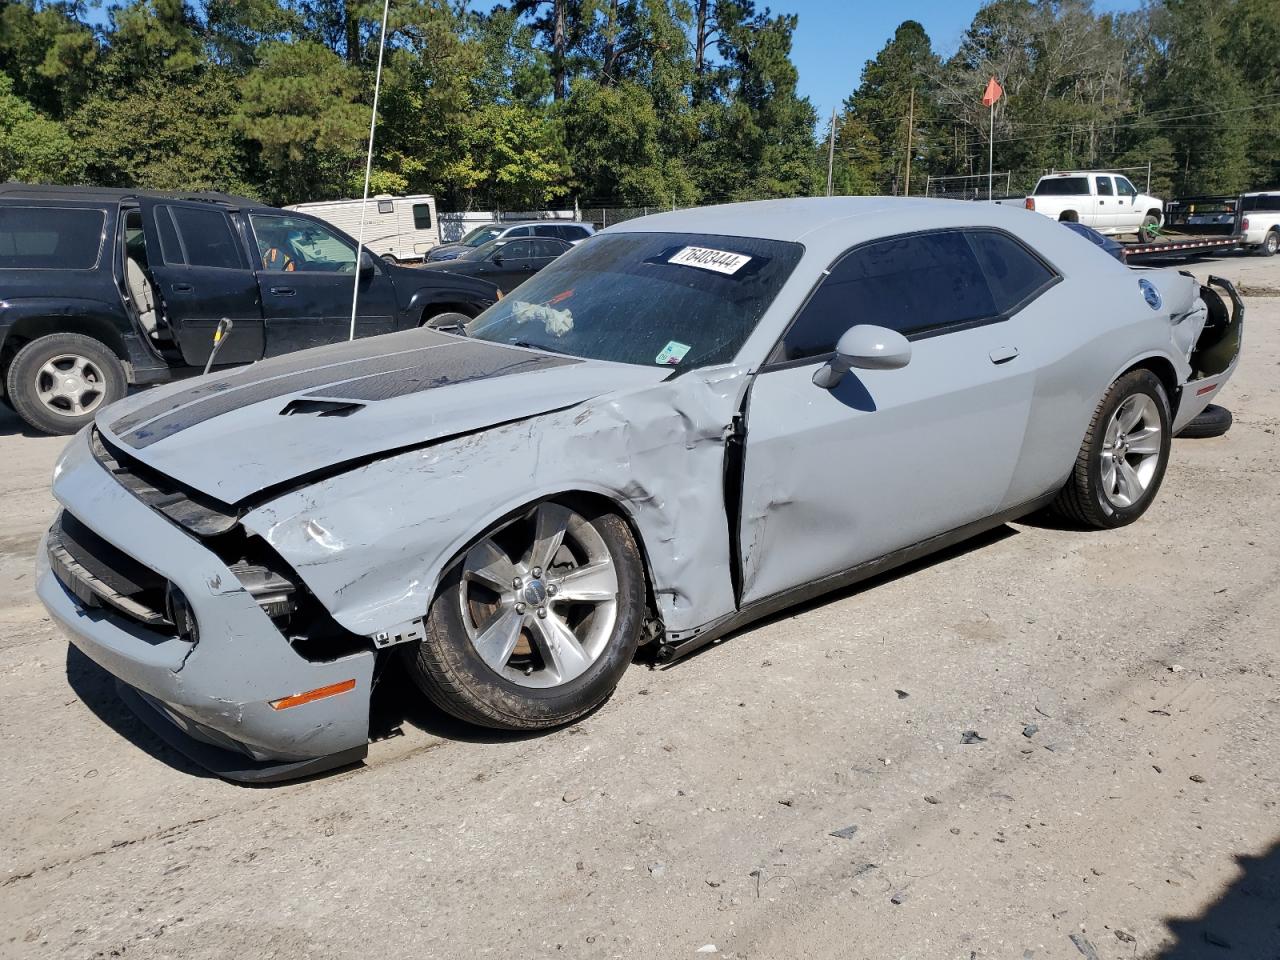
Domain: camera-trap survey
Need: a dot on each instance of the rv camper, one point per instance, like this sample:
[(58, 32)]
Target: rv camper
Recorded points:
[(399, 228)]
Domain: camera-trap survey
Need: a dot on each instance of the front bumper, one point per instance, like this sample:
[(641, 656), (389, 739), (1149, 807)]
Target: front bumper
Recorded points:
[(212, 698)]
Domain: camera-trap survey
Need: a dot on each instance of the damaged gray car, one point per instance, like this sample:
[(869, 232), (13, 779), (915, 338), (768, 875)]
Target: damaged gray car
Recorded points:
[(687, 422)]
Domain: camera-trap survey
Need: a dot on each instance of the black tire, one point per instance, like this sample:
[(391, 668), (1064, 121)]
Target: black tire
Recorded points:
[(1083, 499), (1213, 421), (25, 378), (448, 669), (1150, 224), (447, 321), (1270, 244)]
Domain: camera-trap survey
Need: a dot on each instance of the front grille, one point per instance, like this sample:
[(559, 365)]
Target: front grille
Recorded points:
[(101, 575)]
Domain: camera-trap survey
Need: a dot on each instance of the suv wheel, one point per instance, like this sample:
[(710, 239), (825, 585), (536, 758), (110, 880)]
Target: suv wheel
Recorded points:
[(57, 383), (1123, 457)]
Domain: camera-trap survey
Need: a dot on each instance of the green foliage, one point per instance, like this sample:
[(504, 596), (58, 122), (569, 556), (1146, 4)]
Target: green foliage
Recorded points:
[(639, 102)]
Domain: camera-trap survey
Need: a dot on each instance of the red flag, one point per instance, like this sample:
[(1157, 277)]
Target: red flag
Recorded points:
[(993, 93)]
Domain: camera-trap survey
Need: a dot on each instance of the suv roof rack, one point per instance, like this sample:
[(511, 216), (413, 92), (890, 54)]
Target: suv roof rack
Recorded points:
[(38, 191)]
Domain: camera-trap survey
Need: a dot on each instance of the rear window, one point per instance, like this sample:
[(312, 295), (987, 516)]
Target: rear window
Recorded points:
[(1063, 187), (1271, 202), (1014, 272), (50, 238)]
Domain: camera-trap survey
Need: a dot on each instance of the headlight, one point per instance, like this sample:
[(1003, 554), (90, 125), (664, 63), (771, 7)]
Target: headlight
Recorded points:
[(275, 594), (181, 615)]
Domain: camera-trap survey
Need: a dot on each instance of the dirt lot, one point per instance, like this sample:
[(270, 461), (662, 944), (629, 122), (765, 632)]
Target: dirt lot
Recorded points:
[(694, 813)]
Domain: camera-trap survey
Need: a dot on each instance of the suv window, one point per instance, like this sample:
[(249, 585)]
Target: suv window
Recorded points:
[(1125, 188), (206, 238), (297, 244), (519, 232), (50, 238), (519, 250), (1063, 187), (1104, 186), (422, 216), (571, 232), (1015, 274), (916, 285)]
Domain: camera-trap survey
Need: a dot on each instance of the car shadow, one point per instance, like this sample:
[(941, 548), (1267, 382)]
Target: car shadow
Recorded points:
[(12, 425), (1243, 922), (96, 689), (977, 542), (397, 701)]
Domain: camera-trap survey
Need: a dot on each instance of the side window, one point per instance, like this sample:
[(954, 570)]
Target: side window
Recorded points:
[(519, 250), (207, 238), (386, 206), (1104, 186), (519, 232), (548, 248), (574, 233), (546, 230), (1015, 274), (915, 285), (1125, 188), (50, 238), (306, 246), (422, 216), (170, 248)]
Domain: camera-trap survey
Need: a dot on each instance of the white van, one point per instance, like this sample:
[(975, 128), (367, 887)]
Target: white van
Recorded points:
[(400, 228)]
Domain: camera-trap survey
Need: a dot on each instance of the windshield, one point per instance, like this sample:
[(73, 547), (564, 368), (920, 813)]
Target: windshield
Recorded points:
[(482, 251), (670, 299), (479, 235)]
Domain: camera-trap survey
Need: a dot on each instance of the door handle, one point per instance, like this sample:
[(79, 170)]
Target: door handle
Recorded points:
[(1003, 354), (183, 288), (283, 291)]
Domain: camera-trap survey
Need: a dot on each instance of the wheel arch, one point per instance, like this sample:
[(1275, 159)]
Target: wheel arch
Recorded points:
[(1157, 213), (32, 326), (1069, 216), (1164, 370)]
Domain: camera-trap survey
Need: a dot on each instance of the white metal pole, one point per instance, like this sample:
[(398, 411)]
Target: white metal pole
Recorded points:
[(368, 170), (991, 150), (831, 151)]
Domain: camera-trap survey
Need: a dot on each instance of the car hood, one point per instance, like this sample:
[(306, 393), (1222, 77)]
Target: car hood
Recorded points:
[(236, 434), (446, 251)]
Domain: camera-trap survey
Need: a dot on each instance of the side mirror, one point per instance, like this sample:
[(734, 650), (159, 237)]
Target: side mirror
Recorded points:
[(366, 262), (866, 347)]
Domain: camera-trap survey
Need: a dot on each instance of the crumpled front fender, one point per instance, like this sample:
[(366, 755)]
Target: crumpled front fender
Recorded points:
[(372, 543)]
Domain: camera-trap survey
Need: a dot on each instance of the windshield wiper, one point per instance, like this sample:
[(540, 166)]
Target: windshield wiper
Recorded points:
[(537, 346)]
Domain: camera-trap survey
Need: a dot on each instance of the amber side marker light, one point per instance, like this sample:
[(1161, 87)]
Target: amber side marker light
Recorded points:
[(319, 693)]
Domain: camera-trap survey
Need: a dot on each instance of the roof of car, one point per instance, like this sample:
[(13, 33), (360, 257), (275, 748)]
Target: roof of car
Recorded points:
[(37, 191), (836, 223)]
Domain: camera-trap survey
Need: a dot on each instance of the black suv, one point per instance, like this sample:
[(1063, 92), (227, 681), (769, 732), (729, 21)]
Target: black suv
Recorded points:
[(100, 289)]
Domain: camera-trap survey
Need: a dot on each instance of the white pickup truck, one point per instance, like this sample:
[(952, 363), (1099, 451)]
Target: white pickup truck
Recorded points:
[(1108, 202), (1260, 221)]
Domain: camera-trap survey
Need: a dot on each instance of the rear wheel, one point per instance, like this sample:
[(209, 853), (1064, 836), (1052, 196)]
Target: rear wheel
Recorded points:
[(1123, 457), (59, 382), (1270, 244), (537, 623), (451, 320)]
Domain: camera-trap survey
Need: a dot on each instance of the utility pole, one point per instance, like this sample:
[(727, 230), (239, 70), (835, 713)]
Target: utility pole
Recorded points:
[(831, 151), (911, 116)]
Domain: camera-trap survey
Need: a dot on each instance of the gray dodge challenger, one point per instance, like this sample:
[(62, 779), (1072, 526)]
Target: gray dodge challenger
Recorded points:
[(686, 423)]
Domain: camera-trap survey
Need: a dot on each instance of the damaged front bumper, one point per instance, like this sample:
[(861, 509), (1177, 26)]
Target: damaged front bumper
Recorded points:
[(224, 699)]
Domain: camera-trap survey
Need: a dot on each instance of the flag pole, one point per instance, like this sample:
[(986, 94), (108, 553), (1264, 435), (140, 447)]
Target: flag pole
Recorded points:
[(991, 150)]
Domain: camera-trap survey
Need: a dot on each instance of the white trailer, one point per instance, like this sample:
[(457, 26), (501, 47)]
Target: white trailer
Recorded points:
[(401, 228)]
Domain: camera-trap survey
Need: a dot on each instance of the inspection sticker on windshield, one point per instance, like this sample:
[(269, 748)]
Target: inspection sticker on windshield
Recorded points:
[(672, 353), (704, 258)]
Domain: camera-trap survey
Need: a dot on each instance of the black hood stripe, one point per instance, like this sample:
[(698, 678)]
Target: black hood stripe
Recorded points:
[(332, 358), (368, 380)]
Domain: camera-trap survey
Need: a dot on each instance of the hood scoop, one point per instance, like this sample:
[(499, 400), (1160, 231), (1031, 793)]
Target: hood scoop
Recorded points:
[(320, 408)]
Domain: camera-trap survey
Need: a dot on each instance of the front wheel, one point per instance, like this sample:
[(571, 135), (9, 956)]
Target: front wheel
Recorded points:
[(57, 383), (1123, 457), (537, 623)]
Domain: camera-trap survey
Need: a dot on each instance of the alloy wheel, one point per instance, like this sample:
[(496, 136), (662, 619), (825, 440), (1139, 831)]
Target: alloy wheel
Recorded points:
[(1131, 450), (539, 598), (70, 385)]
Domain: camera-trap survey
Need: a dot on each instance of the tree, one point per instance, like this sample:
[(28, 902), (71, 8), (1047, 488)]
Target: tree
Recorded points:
[(34, 147)]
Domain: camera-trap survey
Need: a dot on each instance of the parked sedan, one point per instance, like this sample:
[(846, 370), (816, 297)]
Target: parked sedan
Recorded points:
[(694, 420), (571, 231), (504, 263)]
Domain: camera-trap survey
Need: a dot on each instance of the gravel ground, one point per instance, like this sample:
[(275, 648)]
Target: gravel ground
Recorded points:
[(1125, 795)]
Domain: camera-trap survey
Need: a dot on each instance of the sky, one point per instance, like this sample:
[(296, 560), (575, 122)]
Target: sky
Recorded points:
[(835, 38)]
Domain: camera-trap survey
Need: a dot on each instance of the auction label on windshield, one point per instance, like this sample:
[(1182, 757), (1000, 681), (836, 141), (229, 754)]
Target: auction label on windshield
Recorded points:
[(704, 258)]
